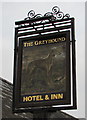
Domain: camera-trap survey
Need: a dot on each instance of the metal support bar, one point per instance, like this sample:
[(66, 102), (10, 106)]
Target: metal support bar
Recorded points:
[(32, 20), (74, 63), (42, 31)]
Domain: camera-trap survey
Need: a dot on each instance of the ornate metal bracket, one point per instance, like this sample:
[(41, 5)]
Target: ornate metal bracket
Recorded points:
[(56, 14)]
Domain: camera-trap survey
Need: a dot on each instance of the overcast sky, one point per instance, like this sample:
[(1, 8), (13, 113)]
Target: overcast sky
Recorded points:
[(12, 12)]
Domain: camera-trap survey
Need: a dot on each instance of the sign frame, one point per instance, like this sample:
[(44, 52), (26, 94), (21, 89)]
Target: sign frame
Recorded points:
[(17, 106)]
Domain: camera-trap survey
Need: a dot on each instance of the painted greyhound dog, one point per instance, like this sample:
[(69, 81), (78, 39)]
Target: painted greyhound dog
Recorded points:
[(44, 64)]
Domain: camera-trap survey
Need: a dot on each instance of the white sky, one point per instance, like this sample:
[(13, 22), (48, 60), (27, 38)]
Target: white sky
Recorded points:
[(12, 12)]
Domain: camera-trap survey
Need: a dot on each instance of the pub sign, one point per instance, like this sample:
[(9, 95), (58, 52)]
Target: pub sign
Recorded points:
[(44, 64)]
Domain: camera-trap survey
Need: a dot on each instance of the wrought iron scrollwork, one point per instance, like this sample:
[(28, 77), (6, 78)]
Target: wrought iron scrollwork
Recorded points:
[(56, 14), (31, 15)]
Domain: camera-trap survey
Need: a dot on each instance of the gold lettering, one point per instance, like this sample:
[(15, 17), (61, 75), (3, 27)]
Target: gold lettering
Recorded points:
[(46, 97), (63, 38), (34, 98), (28, 44), (59, 39), (38, 98), (41, 42), (60, 96), (41, 97), (53, 96), (30, 98), (25, 44), (50, 41), (55, 40), (46, 41), (25, 99), (36, 42), (56, 96)]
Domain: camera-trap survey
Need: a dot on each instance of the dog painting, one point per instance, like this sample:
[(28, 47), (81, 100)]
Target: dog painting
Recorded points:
[(43, 69)]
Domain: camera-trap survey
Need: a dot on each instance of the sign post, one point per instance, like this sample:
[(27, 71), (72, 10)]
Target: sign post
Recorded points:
[(44, 63)]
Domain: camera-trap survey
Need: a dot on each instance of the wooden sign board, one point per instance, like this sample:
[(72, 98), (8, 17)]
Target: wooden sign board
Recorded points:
[(43, 74)]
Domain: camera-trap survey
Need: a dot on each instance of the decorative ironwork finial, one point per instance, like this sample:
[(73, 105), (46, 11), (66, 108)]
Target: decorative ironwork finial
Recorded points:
[(56, 14)]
